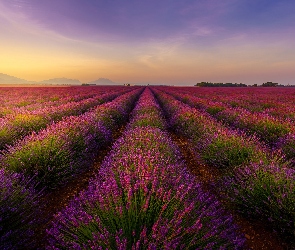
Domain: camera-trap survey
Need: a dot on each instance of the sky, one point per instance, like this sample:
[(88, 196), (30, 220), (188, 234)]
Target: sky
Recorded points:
[(179, 42)]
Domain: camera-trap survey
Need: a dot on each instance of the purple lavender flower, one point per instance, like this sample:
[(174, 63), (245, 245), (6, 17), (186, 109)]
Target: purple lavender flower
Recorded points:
[(18, 209), (264, 191)]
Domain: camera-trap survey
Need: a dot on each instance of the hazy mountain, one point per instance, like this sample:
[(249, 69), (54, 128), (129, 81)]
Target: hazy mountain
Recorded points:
[(102, 81), (62, 81), (7, 79)]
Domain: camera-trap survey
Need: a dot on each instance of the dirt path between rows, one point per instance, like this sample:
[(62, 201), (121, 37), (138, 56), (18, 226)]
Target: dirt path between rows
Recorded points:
[(258, 236)]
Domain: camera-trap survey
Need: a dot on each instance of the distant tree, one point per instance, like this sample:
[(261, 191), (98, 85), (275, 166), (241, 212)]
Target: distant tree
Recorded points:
[(219, 84), (270, 84)]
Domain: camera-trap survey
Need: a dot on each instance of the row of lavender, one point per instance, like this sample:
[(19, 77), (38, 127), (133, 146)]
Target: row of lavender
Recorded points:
[(25, 96), (31, 98), (20, 103), (19, 124), (143, 197), (258, 182), (48, 159), (54, 102), (278, 102), (277, 133)]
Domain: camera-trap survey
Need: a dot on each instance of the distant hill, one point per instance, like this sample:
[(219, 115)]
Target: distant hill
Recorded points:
[(102, 81), (7, 79), (61, 81)]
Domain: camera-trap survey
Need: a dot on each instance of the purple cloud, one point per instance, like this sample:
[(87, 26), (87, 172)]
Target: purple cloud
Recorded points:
[(117, 20)]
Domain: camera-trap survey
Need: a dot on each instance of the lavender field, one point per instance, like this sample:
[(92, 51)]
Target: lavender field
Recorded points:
[(147, 168)]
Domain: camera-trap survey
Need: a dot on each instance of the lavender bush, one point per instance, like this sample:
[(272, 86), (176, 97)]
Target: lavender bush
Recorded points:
[(266, 191), (55, 154), (18, 210), (227, 149), (147, 113), (287, 145)]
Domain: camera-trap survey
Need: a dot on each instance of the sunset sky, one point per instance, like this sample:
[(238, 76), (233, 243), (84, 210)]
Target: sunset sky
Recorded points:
[(153, 41)]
